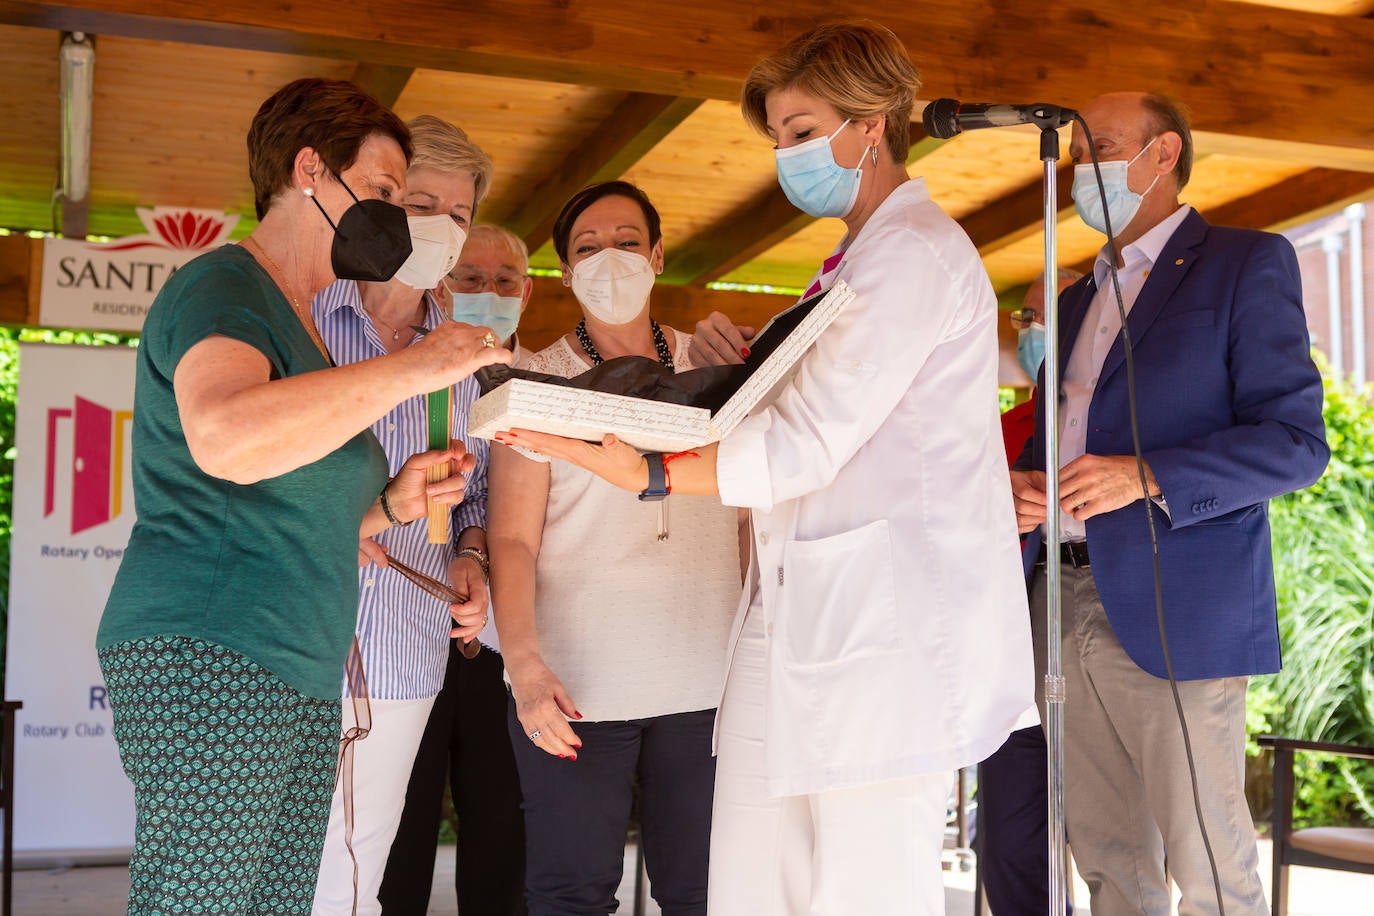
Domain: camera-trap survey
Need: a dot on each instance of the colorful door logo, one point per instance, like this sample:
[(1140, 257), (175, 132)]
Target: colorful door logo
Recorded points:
[(98, 453)]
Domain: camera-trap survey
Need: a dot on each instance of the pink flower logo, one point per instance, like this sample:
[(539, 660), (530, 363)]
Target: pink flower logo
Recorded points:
[(188, 229), (178, 228)]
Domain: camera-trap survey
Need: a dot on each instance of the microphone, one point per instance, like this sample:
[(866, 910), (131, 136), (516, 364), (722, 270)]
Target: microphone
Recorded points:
[(944, 118)]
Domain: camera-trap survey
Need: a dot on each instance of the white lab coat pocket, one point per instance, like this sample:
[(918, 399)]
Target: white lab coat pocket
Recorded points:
[(838, 598)]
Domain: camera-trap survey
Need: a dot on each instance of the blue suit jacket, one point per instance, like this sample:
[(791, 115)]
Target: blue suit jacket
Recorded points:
[(1229, 404)]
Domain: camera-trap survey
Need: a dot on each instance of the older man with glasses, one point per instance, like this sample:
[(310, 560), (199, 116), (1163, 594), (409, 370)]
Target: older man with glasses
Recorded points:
[(490, 285)]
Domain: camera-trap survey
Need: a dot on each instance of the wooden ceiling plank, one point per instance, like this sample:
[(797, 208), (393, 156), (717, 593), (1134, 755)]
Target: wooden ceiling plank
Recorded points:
[(1018, 214), (635, 126), (383, 82), (1315, 82), (754, 227), (1295, 200)]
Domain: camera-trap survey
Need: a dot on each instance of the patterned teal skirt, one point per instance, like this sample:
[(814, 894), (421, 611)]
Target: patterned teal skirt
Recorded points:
[(233, 773)]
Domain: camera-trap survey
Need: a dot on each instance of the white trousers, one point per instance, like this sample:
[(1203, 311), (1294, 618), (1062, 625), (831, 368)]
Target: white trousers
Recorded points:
[(381, 771), (872, 849)]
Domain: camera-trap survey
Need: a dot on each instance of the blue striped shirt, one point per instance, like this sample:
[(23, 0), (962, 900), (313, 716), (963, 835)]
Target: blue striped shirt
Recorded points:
[(403, 631)]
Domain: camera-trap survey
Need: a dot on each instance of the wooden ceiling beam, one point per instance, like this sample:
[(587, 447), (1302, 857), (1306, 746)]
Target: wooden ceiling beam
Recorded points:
[(384, 83), (1294, 201), (1314, 81), (754, 227), (636, 126), (1018, 214)]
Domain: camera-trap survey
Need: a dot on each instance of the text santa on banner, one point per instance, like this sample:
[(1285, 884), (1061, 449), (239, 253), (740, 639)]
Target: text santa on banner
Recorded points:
[(110, 285)]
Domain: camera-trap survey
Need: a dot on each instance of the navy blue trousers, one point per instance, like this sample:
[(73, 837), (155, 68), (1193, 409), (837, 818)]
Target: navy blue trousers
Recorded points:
[(1013, 825), (465, 743), (576, 813)]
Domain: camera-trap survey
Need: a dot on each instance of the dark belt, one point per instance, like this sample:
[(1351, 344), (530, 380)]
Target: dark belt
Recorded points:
[(1071, 553)]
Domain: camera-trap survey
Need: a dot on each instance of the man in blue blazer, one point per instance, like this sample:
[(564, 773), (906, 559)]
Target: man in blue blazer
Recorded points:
[(1229, 411)]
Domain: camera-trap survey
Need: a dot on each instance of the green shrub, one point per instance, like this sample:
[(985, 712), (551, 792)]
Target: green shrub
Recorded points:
[(1324, 573)]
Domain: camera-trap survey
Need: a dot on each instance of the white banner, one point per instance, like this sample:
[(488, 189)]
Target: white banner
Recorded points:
[(110, 285), (73, 510)]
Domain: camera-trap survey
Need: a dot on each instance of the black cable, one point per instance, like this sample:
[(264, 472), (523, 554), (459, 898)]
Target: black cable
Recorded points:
[(1149, 512)]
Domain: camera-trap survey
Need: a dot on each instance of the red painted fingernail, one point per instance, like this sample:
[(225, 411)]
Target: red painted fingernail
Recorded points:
[(578, 746), (576, 714), (512, 435), (744, 351), (561, 756), (572, 756)]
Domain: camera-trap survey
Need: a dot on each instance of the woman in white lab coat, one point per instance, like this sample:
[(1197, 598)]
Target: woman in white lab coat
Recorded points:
[(882, 639)]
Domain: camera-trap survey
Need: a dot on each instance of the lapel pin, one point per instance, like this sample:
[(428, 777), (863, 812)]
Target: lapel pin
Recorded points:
[(1178, 263)]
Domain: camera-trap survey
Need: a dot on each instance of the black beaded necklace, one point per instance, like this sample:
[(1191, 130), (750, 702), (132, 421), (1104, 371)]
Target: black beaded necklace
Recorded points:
[(665, 356)]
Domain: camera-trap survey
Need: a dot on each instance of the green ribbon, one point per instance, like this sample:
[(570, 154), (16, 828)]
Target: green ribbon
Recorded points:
[(439, 411)]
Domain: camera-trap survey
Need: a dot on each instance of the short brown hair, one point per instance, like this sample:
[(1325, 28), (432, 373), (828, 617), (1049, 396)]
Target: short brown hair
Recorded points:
[(563, 224), (860, 68), (1167, 115), (332, 117), (446, 147)]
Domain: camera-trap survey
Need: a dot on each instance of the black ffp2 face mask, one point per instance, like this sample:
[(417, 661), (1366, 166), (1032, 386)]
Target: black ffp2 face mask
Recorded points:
[(371, 239)]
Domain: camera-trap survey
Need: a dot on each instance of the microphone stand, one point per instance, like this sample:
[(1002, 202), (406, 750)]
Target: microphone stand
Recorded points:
[(1049, 396)]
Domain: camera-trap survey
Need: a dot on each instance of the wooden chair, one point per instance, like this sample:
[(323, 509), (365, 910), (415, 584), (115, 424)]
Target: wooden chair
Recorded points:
[(1341, 848), (7, 711)]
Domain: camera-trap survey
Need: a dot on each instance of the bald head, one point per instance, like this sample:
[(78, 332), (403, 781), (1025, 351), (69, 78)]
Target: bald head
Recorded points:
[(1144, 115), (1149, 133)]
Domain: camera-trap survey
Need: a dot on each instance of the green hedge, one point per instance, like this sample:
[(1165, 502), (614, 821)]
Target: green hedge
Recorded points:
[(1324, 572)]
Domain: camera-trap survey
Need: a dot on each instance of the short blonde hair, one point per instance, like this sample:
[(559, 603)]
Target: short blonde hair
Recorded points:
[(492, 234), (860, 68), (446, 147)]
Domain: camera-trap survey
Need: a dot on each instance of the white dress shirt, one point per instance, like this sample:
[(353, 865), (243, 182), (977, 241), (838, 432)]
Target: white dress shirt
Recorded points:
[(1101, 328)]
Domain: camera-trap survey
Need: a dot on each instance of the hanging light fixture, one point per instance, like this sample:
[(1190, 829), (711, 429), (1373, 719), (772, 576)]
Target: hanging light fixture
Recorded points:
[(77, 74)]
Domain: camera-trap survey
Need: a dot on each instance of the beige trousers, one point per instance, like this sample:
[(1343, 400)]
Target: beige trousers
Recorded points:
[(1127, 795)]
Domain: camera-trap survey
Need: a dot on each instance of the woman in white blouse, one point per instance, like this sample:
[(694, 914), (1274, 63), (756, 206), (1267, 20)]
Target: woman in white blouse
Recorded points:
[(611, 612), (883, 638)]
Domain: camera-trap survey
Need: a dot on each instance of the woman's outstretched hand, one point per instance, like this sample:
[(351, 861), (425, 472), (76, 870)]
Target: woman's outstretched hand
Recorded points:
[(613, 461)]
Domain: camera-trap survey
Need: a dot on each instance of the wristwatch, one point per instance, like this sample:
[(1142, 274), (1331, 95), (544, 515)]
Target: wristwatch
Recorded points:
[(658, 479)]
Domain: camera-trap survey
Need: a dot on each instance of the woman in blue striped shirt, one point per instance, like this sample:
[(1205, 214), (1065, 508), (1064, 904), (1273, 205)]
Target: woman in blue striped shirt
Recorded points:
[(403, 632)]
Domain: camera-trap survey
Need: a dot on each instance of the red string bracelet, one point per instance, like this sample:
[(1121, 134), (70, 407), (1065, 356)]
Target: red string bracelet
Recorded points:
[(668, 478)]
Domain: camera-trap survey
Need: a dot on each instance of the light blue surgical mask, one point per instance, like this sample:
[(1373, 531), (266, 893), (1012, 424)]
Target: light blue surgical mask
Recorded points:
[(1030, 348), (500, 313), (814, 182), (1124, 202)]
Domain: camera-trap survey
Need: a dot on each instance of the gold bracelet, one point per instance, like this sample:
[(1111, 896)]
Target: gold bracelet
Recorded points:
[(480, 557)]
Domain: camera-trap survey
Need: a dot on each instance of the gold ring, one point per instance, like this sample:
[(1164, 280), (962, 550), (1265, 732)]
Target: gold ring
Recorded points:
[(489, 340)]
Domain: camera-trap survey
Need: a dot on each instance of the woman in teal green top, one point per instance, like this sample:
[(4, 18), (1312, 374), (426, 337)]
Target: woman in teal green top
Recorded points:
[(255, 476)]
